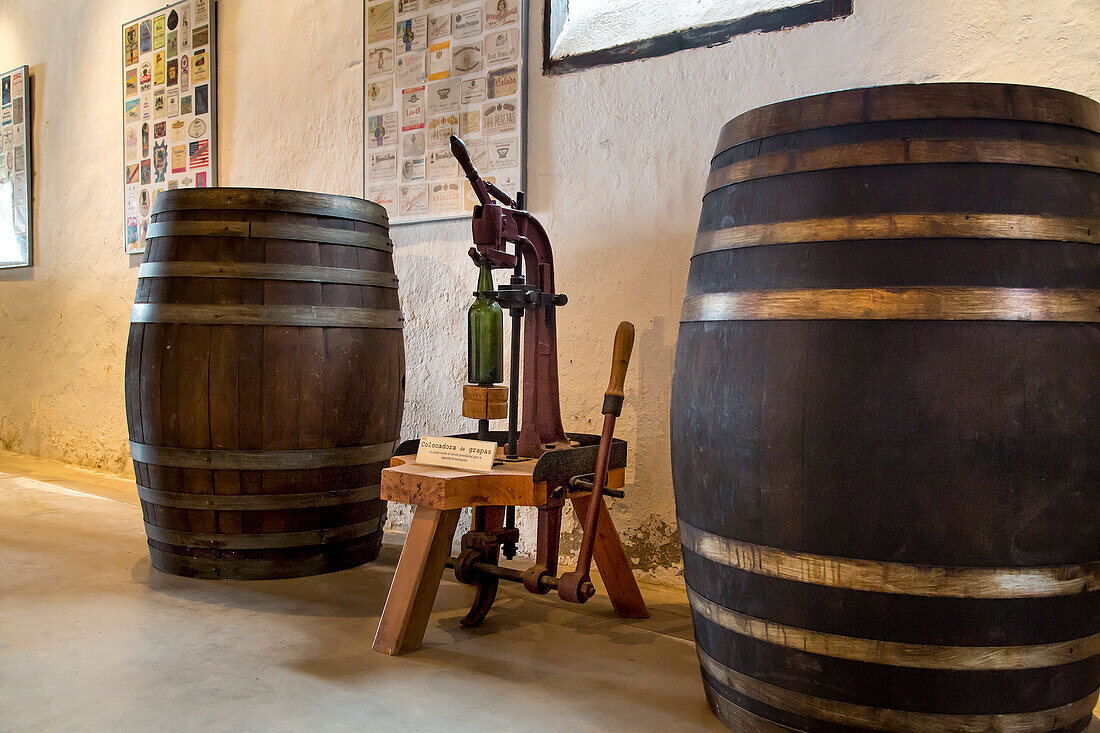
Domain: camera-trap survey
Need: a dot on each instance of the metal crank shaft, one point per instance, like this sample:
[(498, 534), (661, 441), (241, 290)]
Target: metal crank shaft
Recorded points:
[(548, 582)]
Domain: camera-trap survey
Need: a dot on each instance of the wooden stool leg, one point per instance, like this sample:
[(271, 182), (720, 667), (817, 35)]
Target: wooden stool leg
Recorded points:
[(611, 561), (409, 603)]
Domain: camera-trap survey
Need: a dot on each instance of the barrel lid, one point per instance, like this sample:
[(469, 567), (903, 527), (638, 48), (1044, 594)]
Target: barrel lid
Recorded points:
[(951, 100), (271, 199)]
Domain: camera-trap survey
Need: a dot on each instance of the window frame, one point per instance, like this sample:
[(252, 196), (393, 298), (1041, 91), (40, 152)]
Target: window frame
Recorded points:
[(663, 45)]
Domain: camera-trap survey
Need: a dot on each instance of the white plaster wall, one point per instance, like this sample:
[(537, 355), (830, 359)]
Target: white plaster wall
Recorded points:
[(290, 115), (617, 164)]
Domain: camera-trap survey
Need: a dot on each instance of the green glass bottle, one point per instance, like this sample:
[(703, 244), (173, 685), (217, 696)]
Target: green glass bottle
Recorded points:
[(485, 364)]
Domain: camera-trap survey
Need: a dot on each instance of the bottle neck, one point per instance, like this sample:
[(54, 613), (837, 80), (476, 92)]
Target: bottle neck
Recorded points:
[(485, 281)]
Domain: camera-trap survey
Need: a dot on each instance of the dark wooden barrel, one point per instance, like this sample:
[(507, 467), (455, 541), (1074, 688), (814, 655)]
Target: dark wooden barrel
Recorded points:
[(886, 413), (264, 381)]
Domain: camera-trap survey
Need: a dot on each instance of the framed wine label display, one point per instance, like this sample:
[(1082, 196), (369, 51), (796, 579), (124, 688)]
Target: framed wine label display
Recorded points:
[(168, 109), (16, 168), (436, 68)]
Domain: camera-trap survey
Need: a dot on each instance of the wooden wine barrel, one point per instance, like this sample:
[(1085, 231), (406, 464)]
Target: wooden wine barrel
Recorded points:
[(886, 413), (264, 381)]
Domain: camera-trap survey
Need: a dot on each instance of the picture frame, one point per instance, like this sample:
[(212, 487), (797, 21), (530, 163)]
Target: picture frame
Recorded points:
[(16, 169), (433, 68), (169, 109)]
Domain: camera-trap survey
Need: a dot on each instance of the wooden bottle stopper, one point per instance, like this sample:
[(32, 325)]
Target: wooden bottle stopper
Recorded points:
[(485, 403)]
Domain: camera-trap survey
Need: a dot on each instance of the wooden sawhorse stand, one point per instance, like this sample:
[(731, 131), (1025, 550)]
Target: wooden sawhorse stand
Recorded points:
[(439, 495)]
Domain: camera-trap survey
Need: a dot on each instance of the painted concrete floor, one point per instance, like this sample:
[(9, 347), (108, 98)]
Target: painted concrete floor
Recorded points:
[(93, 639)]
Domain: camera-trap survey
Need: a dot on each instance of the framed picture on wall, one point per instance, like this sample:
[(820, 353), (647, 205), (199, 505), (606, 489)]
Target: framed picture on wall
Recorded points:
[(16, 168), (436, 68), (169, 109)]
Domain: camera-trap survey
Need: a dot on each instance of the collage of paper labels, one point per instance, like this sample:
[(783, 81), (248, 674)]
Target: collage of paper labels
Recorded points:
[(437, 68), (167, 108), (14, 168)]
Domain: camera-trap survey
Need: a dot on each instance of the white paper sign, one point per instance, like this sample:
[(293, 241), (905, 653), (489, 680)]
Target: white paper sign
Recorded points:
[(471, 455)]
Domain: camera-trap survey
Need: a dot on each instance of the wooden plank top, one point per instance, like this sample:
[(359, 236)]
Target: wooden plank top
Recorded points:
[(508, 484)]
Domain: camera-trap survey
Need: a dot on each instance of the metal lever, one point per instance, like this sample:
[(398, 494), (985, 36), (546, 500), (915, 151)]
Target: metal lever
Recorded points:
[(480, 185), (576, 586)]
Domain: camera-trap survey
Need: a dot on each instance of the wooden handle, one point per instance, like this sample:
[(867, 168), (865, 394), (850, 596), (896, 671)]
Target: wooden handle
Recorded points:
[(462, 155), (620, 359)]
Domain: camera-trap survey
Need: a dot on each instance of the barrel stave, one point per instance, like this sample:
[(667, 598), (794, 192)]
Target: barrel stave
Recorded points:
[(998, 416), (912, 137), (729, 705), (956, 188), (928, 620), (897, 263), (884, 685)]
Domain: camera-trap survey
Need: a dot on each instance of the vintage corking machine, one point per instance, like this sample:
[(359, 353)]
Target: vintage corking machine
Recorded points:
[(540, 465)]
